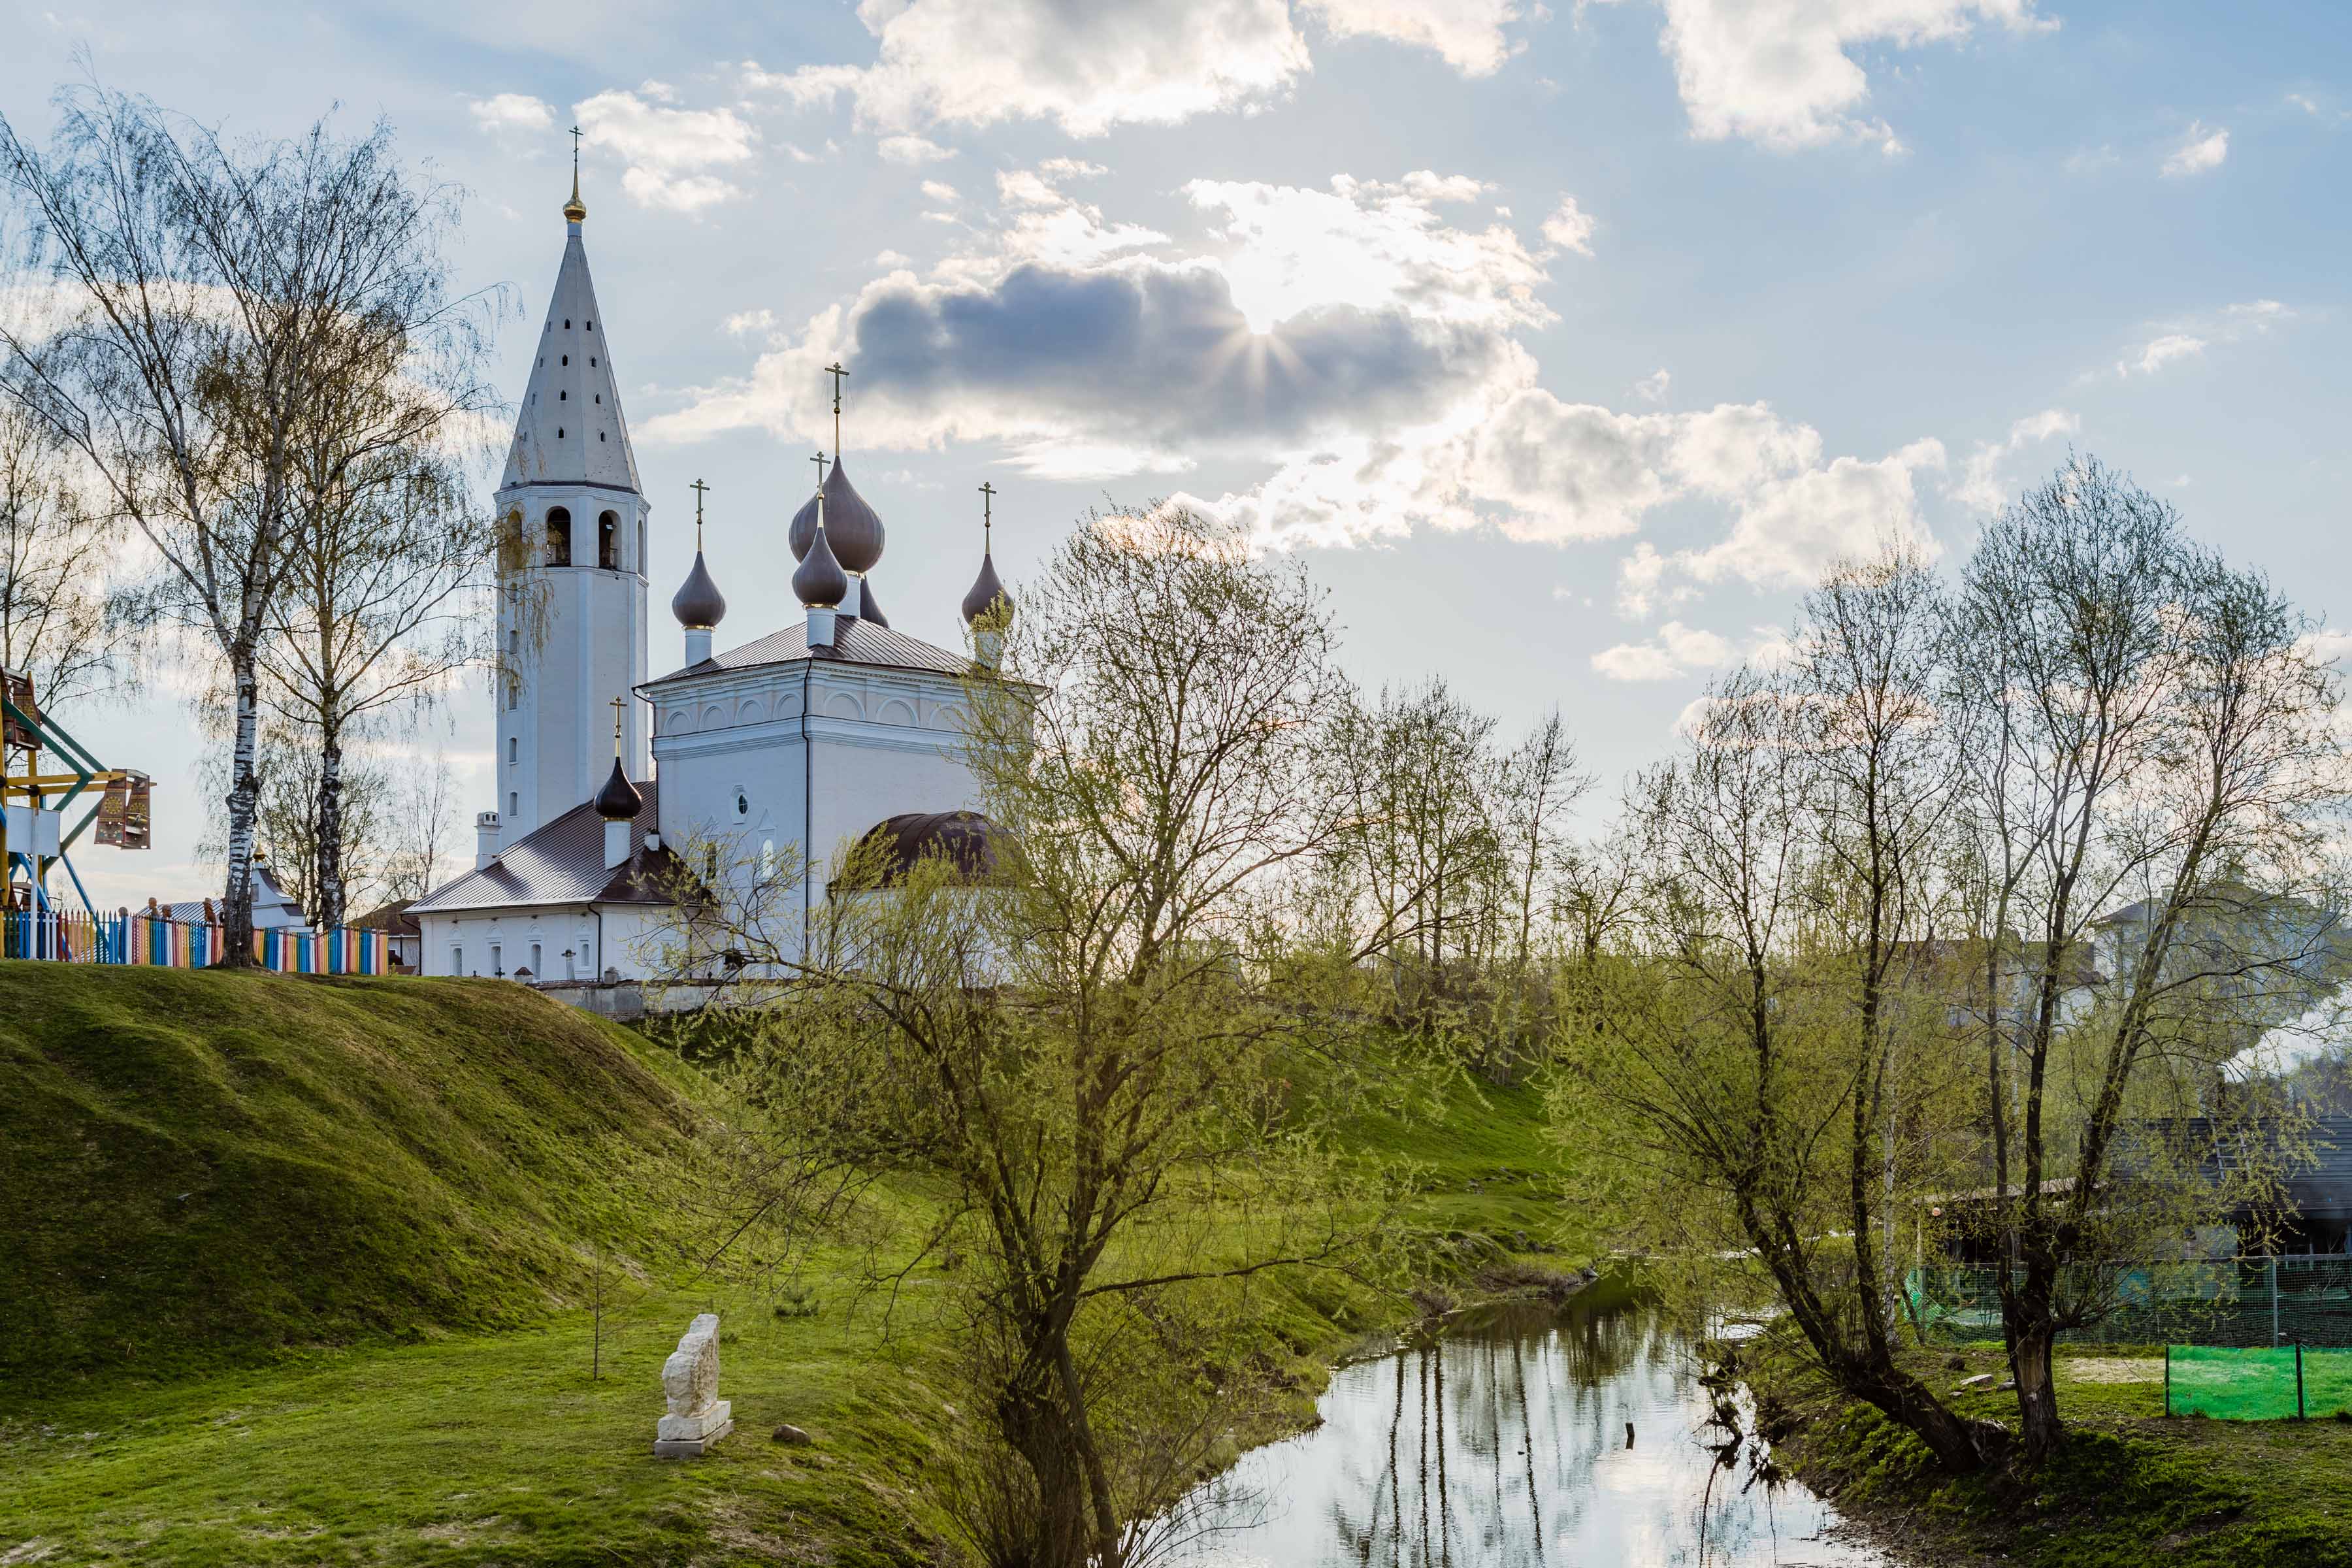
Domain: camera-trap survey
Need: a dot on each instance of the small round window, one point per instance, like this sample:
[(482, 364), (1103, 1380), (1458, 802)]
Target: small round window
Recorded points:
[(742, 806)]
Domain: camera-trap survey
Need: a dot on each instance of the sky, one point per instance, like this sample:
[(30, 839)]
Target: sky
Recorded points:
[(1568, 343)]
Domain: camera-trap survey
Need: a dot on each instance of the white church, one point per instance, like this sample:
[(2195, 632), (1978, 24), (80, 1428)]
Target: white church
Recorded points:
[(784, 748)]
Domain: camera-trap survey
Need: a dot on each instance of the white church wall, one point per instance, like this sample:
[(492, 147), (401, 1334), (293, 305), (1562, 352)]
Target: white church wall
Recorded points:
[(743, 769), (556, 942), (581, 645)]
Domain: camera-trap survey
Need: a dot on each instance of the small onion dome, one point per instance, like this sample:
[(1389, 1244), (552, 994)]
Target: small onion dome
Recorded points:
[(987, 595), (618, 801), (887, 851), (820, 582), (867, 610), (698, 604), (802, 533), (857, 530)]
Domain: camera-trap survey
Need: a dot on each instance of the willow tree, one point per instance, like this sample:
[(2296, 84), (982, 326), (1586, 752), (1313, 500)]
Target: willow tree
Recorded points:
[(1073, 1038), (2153, 775), (218, 301)]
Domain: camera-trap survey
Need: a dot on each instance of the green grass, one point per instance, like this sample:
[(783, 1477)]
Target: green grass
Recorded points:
[(206, 1168), (2131, 1488), (298, 1272)]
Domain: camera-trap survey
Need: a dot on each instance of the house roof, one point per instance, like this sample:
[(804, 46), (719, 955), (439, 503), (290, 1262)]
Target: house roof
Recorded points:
[(272, 908), (393, 917), (968, 841), (856, 641), (563, 863)]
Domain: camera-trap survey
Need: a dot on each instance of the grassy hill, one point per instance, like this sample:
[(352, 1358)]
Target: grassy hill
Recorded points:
[(203, 1168)]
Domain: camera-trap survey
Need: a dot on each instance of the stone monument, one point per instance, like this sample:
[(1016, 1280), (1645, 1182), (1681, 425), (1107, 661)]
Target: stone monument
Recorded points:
[(698, 1417)]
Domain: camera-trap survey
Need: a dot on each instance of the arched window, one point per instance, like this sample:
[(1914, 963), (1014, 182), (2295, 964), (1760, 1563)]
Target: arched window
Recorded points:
[(514, 804), (641, 544), (558, 536), (608, 542)]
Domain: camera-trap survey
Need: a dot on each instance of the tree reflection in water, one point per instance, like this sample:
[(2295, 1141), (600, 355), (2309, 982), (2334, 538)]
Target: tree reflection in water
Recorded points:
[(1493, 1448)]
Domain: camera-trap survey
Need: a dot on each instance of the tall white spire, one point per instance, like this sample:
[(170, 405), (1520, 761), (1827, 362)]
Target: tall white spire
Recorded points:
[(570, 430), (571, 621)]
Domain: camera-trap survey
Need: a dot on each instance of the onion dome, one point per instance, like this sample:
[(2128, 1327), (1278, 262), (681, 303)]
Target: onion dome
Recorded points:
[(987, 594), (618, 801), (857, 530), (820, 582), (867, 610), (698, 604), (802, 533)]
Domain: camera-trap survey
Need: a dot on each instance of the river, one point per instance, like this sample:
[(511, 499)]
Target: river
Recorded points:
[(1504, 1444)]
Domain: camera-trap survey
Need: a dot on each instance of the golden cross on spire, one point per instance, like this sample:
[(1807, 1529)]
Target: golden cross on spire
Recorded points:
[(835, 371), (819, 461), (987, 509), (617, 705), (698, 488), (575, 209)]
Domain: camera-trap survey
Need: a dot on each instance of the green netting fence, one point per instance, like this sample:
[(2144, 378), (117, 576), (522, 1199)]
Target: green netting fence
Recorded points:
[(2236, 1383), (2248, 1302)]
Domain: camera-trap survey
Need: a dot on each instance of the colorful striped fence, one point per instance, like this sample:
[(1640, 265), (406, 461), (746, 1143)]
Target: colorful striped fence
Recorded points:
[(64, 937)]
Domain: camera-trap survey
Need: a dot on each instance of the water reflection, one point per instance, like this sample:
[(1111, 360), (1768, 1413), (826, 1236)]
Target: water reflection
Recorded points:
[(1526, 1436)]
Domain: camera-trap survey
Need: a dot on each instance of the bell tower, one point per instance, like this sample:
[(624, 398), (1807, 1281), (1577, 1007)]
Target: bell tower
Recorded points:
[(571, 564)]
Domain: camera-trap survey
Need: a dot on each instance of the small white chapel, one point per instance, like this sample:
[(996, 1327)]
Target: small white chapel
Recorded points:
[(784, 748)]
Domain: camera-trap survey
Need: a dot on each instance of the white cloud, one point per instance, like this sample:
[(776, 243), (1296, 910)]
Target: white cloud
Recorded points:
[(751, 323), (2191, 336), (1781, 73), (1086, 67), (892, 258), (2200, 151), (912, 149), (1466, 33), (2091, 160), (1569, 227), (1979, 489), (1677, 649), (1356, 347), (939, 191), (1653, 388), (670, 153), (512, 111), (2303, 102)]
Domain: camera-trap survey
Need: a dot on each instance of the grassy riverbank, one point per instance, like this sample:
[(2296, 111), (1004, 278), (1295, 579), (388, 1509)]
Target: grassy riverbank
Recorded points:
[(2132, 1487), (305, 1267)]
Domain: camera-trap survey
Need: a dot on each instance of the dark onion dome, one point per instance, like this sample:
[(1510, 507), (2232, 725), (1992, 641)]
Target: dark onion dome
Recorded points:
[(802, 533), (698, 604), (986, 594), (820, 582), (618, 801), (856, 532), (867, 610), (887, 851)]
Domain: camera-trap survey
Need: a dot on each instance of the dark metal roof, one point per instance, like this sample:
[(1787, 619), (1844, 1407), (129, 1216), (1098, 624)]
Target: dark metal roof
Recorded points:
[(854, 528), (819, 581), (802, 532), (563, 863), (618, 801), (393, 917), (699, 602), (986, 592), (855, 642), (887, 851)]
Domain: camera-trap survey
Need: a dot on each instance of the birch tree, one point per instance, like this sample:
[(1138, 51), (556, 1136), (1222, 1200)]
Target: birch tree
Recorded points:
[(220, 301)]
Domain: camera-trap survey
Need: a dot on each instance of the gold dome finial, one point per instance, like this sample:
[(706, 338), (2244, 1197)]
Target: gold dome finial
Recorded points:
[(575, 209)]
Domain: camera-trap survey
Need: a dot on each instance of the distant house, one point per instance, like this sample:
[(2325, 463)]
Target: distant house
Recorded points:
[(273, 908), (405, 938)]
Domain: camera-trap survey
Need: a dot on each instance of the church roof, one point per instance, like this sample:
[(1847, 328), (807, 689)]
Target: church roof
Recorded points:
[(570, 430), (563, 863), (858, 641)]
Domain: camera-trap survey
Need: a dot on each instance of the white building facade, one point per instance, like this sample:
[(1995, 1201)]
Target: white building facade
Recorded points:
[(621, 797)]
